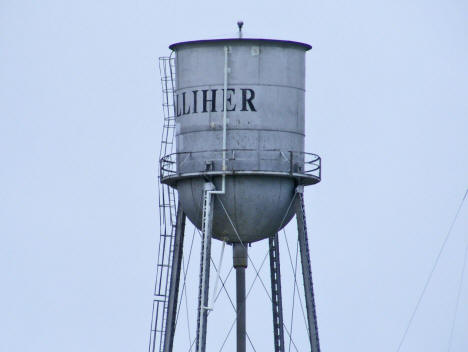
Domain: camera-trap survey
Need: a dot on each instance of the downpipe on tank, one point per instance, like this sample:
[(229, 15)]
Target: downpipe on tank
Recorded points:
[(223, 182), (213, 191), (226, 69)]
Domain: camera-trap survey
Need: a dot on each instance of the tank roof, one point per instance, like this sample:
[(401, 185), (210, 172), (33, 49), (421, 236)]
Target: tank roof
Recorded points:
[(237, 40)]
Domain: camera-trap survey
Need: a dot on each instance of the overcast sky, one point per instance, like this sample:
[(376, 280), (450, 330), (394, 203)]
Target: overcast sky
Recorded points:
[(80, 125)]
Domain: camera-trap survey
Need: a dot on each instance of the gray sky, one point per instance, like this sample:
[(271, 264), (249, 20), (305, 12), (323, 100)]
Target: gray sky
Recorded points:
[(80, 122)]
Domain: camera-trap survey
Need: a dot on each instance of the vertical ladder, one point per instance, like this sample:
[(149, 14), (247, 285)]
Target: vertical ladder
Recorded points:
[(167, 212)]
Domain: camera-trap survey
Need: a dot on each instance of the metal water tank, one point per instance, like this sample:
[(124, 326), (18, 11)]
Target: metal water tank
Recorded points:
[(261, 83)]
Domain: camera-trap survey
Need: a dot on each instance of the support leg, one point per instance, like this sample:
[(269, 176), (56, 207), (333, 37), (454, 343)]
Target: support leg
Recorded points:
[(175, 279), (207, 222), (306, 271), (240, 258), (277, 304)]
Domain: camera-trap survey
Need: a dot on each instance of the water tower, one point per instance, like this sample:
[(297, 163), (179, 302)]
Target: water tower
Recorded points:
[(234, 110)]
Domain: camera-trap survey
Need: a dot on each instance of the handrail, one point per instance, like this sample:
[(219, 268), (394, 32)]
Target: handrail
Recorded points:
[(300, 163)]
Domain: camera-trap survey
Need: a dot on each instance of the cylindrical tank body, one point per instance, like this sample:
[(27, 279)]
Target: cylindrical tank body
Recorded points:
[(265, 130)]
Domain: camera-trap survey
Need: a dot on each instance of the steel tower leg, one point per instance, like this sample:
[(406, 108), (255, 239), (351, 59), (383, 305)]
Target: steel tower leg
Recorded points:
[(175, 279), (276, 300), (207, 222), (240, 258), (306, 271)]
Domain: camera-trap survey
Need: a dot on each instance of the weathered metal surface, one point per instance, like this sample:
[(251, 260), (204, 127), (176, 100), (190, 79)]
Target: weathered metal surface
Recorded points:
[(256, 205), (265, 111), (265, 100)]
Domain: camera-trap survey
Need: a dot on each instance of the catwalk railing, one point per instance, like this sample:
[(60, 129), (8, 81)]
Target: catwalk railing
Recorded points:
[(293, 163)]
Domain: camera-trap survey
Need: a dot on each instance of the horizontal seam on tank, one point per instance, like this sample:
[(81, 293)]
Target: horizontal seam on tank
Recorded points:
[(242, 129), (241, 85)]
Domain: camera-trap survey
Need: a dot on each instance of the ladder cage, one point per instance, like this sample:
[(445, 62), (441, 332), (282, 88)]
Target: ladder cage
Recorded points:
[(167, 211)]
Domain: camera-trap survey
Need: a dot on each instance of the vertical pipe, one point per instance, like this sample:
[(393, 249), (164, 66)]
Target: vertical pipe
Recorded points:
[(226, 51), (226, 69), (240, 257), (241, 312)]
